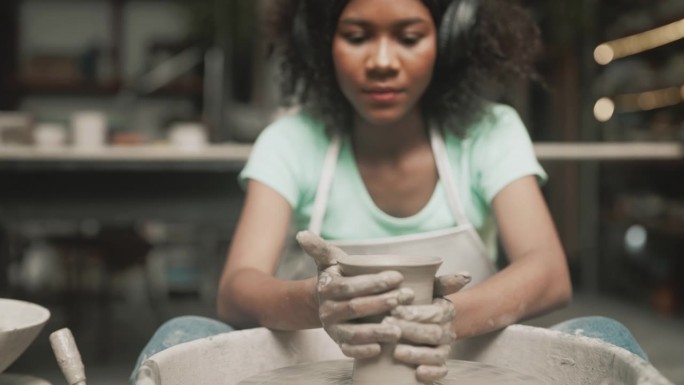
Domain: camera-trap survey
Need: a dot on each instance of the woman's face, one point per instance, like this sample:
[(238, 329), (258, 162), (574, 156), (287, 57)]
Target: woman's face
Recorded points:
[(384, 52)]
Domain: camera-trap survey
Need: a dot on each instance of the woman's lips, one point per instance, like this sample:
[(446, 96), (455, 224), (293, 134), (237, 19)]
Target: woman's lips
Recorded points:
[(383, 95)]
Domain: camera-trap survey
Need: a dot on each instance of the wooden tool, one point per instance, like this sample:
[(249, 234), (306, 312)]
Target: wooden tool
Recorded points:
[(68, 356)]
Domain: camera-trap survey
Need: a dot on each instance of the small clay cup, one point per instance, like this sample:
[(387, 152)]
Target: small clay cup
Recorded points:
[(419, 275)]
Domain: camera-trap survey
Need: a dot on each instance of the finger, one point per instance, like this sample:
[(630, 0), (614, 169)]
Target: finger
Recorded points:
[(329, 273), (321, 251), (360, 285), (429, 374), (439, 312), (360, 351), (449, 284), (418, 333), (367, 333), (422, 355), (336, 311)]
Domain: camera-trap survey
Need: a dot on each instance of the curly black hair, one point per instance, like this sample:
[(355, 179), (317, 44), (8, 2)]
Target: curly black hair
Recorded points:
[(502, 47)]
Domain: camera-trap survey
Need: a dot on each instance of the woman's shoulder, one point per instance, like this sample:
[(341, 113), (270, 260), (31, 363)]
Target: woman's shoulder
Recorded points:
[(495, 116), (498, 121), (287, 156)]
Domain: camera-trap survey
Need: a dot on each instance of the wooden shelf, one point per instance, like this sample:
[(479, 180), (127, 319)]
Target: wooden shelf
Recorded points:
[(609, 151), (544, 151), (218, 157), (234, 155), (217, 152)]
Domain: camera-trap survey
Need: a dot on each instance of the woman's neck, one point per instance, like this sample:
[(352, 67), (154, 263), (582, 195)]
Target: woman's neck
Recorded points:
[(389, 142)]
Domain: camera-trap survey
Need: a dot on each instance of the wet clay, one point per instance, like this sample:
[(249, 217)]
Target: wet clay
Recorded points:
[(338, 372), (419, 275), (68, 356)]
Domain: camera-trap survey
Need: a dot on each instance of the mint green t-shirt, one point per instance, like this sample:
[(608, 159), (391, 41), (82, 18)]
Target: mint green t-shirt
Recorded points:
[(289, 154)]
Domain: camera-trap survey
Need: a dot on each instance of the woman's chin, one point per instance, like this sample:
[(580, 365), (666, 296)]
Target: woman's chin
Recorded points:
[(383, 119)]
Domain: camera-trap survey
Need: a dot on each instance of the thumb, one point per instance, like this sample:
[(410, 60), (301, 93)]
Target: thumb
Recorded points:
[(322, 252), (451, 283)]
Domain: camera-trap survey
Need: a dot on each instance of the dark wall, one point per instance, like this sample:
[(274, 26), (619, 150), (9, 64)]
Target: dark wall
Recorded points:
[(8, 52)]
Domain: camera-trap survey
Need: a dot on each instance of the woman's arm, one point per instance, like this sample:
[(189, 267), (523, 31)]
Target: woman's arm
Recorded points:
[(537, 278), (248, 294)]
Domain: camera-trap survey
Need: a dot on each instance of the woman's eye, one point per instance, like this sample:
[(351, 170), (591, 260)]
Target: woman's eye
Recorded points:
[(355, 38), (409, 40)]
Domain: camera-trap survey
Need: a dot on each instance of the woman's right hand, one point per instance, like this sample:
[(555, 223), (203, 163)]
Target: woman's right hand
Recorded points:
[(343, 300)]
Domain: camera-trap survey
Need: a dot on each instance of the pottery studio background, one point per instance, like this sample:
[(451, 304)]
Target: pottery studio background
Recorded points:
[(123, 125)]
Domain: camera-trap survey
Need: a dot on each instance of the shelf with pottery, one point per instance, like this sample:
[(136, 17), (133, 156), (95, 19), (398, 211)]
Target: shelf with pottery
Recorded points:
[(219, 157), (138, 153), (239, 152)]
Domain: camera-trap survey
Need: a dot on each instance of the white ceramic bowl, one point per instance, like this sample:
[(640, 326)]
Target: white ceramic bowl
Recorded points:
[(20, 323)]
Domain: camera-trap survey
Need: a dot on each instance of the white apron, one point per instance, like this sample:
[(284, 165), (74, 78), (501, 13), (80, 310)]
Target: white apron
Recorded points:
[(460, 246)]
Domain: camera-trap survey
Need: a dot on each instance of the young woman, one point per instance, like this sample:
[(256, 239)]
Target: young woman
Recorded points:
[(398, 148)]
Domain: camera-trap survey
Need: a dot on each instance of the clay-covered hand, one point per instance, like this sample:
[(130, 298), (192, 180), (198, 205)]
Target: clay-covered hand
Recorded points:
[(427, 330), (341, 300)]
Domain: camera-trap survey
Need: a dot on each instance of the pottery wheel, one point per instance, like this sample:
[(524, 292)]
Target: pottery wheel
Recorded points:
[(338, 372)]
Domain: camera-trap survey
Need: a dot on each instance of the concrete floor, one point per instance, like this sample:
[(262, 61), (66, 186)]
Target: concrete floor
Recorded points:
[(110, 340)]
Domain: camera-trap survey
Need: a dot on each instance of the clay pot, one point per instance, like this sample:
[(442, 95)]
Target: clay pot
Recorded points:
[(419, 274)]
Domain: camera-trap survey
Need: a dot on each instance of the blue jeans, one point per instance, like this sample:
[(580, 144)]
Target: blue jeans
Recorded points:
[(606, 329), (189, 328)]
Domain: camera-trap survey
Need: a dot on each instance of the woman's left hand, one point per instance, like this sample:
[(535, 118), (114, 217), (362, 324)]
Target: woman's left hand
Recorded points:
[(428, 330)]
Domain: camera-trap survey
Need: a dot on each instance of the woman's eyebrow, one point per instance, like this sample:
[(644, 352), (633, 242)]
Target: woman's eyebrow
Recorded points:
[(365, 23)]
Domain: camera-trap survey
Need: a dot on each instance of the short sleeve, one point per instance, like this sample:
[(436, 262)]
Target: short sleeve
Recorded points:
[(503, 152), (282, 157)]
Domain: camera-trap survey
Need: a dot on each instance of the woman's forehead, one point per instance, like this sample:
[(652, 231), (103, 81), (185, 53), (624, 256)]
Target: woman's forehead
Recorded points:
[(380, 10)]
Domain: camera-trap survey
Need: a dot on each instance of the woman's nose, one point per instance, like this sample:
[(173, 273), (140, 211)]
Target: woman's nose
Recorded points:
[(382, 59)]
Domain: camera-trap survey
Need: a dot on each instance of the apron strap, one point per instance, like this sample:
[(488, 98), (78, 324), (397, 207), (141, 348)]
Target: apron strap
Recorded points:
[(447, 176), (321, 200)]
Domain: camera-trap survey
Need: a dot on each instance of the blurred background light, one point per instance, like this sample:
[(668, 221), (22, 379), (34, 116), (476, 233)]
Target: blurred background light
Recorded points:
[(604, 109), (634, 44), (636, 238), (603, 54)]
